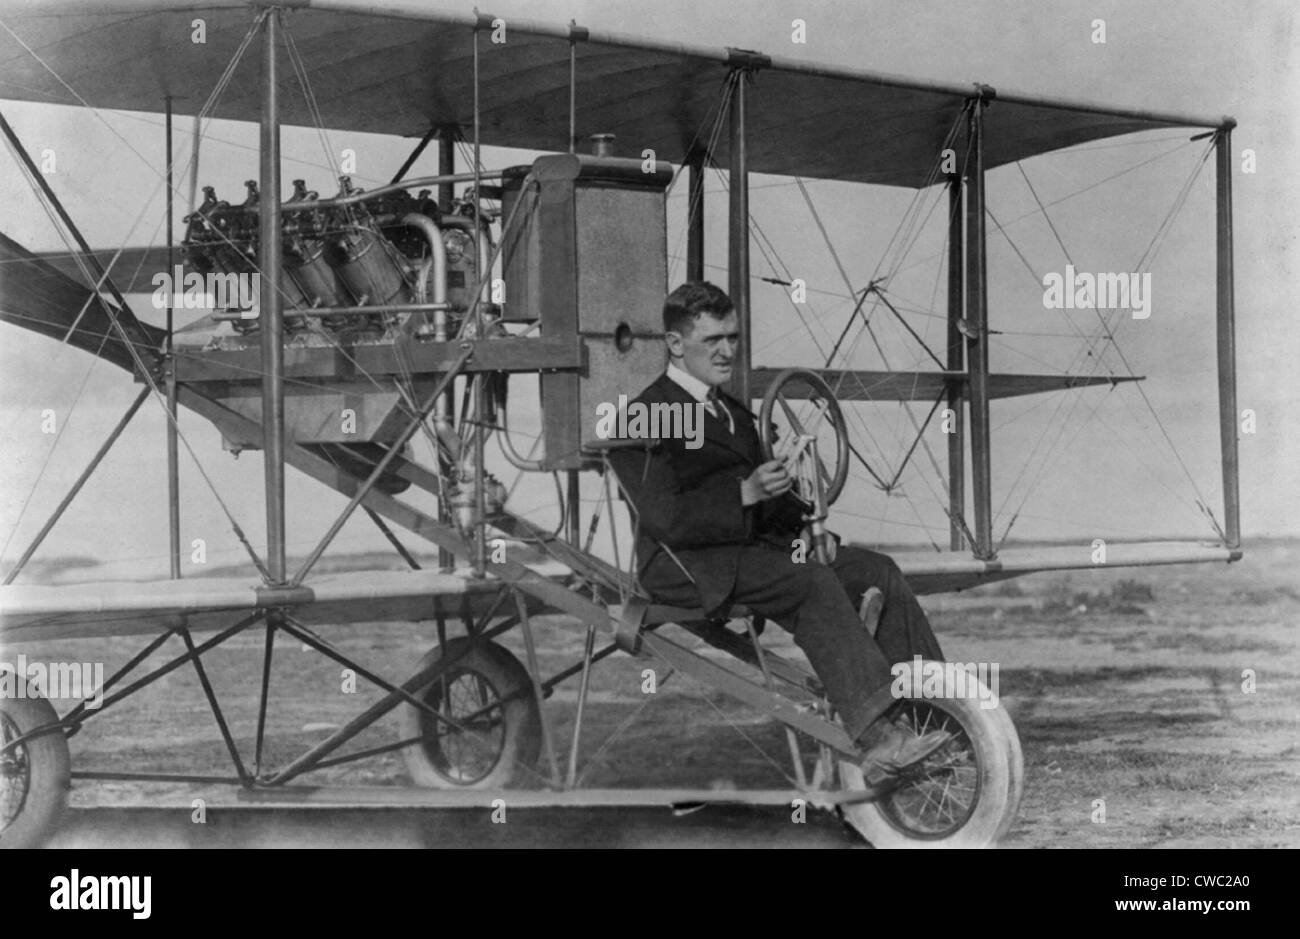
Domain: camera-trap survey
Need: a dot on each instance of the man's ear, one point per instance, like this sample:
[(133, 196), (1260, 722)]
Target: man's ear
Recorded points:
[(674, 343)]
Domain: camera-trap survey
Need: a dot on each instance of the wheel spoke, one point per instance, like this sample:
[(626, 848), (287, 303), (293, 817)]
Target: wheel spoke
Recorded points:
[(790, 415)]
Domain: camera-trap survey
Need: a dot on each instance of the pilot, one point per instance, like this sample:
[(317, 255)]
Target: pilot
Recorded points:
[(717, 526)]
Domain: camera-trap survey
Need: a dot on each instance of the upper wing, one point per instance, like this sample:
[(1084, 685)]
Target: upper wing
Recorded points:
[(400, 68)]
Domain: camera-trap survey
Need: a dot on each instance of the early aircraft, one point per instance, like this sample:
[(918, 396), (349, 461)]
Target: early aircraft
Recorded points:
[(407, 305)]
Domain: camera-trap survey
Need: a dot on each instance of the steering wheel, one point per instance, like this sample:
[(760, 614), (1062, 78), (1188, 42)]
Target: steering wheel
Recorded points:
[(796, 427)]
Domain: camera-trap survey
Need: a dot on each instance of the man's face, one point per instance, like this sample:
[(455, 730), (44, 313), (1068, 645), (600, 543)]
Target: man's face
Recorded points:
[(708, 350)]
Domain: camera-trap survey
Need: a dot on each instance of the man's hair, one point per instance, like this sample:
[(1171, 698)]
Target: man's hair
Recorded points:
[(691, 300)]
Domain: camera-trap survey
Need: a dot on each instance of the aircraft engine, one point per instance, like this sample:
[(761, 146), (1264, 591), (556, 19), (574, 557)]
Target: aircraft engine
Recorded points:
[(341, 254), (353, 265)]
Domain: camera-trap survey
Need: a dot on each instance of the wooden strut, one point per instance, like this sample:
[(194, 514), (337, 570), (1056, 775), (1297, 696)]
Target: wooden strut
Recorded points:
[(977, 347)]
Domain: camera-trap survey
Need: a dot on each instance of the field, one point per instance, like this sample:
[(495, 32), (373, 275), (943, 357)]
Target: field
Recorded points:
[(1131, 690)]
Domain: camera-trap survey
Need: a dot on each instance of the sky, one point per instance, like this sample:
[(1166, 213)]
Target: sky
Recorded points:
[(1074, 465)]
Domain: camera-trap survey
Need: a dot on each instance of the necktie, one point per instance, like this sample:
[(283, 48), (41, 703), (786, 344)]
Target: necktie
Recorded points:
[(715, 404)]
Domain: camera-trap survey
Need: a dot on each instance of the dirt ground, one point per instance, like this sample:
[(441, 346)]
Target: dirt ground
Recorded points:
[(1127, 686)]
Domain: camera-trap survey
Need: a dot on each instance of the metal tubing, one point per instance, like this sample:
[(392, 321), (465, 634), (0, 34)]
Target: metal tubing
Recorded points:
[(169, 377), (571, 776), (1225, 316), (738, 238), (572, 505), (208, 693), (508, 447), (415, 155), (573, 95), (158, 777), (76, 486), (352, 310), (392, 539), (192, 653), (395, 695), (534, 675), (695, 217), (438, 254), (271, 320), (956, 363), (792, 741), (73, 716), (977, 349), (359, 197), (268, 650)]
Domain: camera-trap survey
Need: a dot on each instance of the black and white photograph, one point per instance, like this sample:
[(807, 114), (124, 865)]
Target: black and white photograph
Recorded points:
[(676, 424)]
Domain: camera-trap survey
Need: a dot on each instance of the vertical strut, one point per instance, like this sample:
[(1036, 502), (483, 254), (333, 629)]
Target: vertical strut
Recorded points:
[(169, 376), (447, 403), (956, 362), (446, 166), (977, 348), (695, 160), (270, 316), (738, 237), (480, 398), (1225, 316)]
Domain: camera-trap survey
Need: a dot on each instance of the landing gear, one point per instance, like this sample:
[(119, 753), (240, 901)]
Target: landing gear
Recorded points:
[(964, 795), (497, 734), (34, 774)]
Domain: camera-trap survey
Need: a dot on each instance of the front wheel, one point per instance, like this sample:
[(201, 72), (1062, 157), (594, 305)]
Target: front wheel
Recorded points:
[(34, 776), (964, 795), (496, 737)]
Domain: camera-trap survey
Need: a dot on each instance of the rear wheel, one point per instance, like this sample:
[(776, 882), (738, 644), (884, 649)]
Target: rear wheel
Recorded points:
[(497, 736), (34, 776), (966, 794)]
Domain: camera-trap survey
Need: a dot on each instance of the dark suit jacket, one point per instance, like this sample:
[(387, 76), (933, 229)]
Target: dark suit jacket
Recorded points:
[(690, 500)]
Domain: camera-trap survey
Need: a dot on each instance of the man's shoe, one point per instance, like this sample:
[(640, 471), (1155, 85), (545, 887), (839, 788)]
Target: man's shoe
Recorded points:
[(873, 603), (897, 749)]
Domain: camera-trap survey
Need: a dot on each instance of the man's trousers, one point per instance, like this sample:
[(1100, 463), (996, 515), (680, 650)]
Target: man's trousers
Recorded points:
[(819, 605)]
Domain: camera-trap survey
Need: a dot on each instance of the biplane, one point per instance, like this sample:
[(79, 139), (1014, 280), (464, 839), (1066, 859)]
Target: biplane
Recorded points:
[(410, 304)]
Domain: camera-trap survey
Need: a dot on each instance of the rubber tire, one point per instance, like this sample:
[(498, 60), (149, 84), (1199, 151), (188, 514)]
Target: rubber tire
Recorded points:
[(1016, 763), (522, 743), (1000, 766), (50, 767)]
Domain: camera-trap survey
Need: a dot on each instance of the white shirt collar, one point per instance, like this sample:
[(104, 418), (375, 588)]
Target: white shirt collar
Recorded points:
[(689, 383)]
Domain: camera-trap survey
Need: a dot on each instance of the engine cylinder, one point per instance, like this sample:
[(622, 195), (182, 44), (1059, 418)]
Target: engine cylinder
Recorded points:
[(370, 274), (305, 262)]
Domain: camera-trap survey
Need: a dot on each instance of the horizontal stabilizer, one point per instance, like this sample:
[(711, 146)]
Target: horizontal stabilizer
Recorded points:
[(940, 572), (40, 298), (132, 272), (851, 385)]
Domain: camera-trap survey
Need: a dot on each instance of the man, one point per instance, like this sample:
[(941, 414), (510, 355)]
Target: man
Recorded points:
[(717, 528)]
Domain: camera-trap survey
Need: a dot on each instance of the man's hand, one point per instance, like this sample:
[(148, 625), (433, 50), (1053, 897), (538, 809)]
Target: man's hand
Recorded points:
[(767, 482)]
